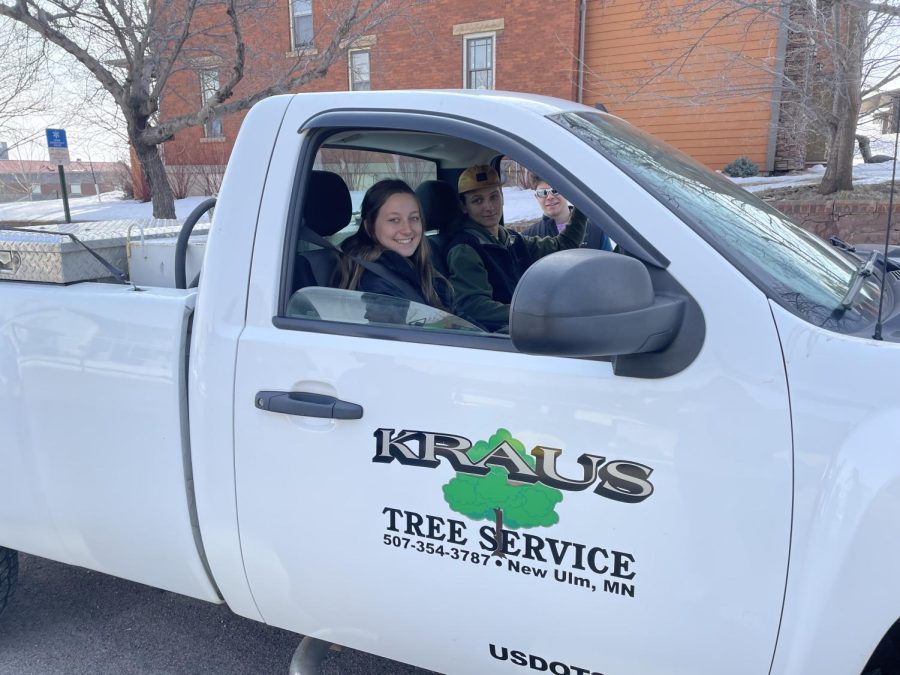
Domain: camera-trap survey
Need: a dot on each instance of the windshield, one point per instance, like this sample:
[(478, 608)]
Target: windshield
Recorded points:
[(797, 269)]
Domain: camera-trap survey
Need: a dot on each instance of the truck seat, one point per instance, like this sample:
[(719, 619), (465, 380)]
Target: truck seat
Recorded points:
[(440, 207), (327, 209)]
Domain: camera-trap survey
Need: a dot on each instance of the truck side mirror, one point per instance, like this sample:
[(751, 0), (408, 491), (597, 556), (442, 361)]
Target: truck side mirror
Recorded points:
[(585, 303)]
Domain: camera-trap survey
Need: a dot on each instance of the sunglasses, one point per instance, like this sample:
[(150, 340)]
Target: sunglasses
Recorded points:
[(543, 193)]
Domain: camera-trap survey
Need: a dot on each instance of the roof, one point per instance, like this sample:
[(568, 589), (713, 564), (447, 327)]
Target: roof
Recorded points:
[(32, 166), (878, 100), (456, 99), (449, 151)]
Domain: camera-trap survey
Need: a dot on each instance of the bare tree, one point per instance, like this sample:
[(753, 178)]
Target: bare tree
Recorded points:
[(415, 171), (841, 26), (837, 51), (23, 58), (136, 49), (25, 177)]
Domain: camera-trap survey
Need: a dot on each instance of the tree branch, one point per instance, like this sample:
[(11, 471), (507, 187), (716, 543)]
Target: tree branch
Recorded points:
[(162, 77), (351, 25), (41, 25), (877, 7)]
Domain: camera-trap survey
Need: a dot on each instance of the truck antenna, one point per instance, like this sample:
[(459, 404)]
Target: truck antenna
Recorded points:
[(887, 234)]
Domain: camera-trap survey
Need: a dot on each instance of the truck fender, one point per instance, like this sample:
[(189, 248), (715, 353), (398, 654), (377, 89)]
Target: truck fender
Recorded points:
[(843, 590)]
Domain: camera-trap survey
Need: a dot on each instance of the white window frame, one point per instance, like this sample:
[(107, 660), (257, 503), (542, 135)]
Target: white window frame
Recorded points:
[(465, 73), (205, 93), (305, 45), (350, 54)]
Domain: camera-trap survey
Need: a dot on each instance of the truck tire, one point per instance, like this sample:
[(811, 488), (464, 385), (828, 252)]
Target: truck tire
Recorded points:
[(9, 572)]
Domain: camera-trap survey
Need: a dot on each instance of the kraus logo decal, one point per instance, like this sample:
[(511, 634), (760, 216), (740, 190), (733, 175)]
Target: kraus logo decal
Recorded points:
[(499, 482), (619, 480)]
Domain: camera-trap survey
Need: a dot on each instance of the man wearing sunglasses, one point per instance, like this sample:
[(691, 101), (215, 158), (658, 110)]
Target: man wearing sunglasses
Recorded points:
[(485, 260), (557, 212)]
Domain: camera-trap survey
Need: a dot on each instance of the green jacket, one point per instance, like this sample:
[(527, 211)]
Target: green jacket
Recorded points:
[(484, 270)]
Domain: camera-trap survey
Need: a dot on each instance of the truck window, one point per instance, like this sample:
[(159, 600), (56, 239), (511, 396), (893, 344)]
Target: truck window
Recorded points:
[(334, 304), (344, 274), (361, 169), (323, 250)]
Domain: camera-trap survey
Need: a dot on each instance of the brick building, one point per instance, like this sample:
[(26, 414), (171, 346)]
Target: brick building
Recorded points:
[(526, 46), (23, 180), (710, 84)]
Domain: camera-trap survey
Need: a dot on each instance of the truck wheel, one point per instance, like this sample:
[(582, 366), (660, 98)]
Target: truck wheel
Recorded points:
[(9, 572)]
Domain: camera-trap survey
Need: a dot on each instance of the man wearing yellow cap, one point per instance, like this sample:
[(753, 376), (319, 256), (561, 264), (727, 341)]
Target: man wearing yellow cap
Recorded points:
[(484, 259)]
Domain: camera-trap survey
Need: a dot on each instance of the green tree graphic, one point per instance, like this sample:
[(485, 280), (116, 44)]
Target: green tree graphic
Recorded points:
[(494, 497)]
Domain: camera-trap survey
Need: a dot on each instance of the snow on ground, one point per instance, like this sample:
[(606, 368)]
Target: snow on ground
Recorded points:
[(109, 206), (863, 174), (519, 204)]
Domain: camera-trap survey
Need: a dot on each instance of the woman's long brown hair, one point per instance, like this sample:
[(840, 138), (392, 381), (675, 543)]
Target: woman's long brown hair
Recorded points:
[(363, 244)]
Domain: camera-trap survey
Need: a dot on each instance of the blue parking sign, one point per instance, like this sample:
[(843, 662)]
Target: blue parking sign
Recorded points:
[(56, 138)]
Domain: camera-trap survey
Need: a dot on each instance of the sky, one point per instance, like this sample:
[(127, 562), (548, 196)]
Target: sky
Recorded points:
[(86, 142), (519, 204), (67, 98), (89, 139)]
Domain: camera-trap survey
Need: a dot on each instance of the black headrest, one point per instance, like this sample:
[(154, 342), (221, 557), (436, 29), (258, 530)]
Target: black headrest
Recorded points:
[(440, 204), (327, 208)]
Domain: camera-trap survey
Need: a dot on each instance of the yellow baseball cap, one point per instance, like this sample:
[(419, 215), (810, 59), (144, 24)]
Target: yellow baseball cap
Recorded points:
[(477, 177)]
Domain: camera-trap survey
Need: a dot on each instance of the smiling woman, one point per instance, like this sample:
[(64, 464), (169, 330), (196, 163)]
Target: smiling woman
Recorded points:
[(388, 254)]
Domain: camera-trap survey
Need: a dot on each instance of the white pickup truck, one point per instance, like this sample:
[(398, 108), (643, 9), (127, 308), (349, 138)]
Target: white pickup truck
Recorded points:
[(678, 460)]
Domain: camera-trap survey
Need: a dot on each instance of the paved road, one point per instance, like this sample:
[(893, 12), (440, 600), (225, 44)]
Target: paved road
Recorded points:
[(72, 621)]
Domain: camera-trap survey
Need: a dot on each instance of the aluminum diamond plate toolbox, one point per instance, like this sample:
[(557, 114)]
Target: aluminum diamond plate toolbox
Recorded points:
[(42, 253)]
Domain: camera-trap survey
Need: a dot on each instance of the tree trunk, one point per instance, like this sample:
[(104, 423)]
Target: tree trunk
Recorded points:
[(839, 172), (498, 549), (155, 171), (850, 28)]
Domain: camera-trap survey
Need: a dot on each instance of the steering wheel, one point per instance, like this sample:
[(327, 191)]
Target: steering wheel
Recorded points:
[(182, 244)]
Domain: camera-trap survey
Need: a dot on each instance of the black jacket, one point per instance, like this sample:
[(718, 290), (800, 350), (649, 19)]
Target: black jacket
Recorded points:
[(594, 237), (484, 269), (505, 262), (395, 263)]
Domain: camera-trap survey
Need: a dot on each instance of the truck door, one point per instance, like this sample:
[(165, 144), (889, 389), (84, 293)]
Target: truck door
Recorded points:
[(441, 499)]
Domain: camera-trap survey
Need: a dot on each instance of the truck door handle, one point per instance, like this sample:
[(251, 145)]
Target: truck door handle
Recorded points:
[(306, 404)]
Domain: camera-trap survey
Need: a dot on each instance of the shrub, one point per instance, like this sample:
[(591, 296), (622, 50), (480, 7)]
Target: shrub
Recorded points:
[(181, 179), (124, 178), (742, 167)]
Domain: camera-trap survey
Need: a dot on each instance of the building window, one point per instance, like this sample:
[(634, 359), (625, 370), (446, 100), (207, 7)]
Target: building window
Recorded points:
[(478, 61), (35, 188), (75, 189), (360, 73), (209, 85), (301, 23)]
